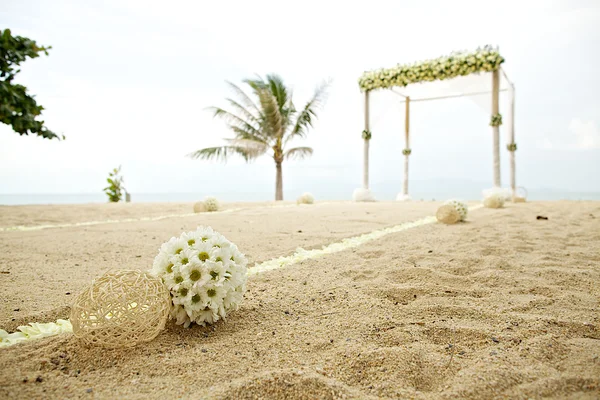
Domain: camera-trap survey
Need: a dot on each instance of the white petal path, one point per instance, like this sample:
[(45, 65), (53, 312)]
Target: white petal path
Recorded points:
[(345, 244), (37, 331), (118, 221), (106, 221), (34, 331)]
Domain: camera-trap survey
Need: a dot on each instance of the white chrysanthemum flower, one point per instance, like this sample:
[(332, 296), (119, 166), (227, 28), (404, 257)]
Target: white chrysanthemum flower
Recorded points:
[(180, 315), (205, 273), (208, 315), (460, 206), (202, 234), (306, 198), (212, 294), (216, 272), (234, 277), (165, 260), (176, 245), (221, 255), (211, 203), (233, 298)]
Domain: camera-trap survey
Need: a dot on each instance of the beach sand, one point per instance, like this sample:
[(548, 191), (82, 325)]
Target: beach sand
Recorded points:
[(502, 306)]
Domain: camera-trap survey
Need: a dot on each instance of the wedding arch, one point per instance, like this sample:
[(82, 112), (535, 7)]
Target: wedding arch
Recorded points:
[(476, 74)]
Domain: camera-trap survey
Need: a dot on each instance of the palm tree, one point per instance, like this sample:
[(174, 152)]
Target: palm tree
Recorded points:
[(267, 126)]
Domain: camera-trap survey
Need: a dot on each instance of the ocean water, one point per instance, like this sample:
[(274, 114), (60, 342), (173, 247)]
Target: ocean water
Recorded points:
[(381, 193)]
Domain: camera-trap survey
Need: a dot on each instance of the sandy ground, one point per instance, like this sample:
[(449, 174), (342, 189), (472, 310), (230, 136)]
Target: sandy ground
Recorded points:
[(503, 306)]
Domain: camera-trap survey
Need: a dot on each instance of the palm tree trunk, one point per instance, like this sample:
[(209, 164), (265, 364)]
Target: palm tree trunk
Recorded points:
[(278, 182)]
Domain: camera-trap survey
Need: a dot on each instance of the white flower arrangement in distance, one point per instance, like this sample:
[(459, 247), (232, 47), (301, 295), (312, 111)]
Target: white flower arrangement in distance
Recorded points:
[(34, 331), (494, 200), (306, 198), (362, 194), (505, 193), (211, 204), (460, 206), (403, 197), (205, 273)]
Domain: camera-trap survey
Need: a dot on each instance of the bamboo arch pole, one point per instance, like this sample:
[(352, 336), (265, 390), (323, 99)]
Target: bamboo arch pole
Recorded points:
[(366, 145), (407, 146), (496, 129), (513, 183)]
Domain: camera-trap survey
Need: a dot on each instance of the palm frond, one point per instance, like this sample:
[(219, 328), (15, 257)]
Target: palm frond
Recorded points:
[(298, 153), (252, 148), (241, 133), (245, 99), (220, 153), (306, 117), (273, 122), (278, 89), (235, 120), (256, 84), (244, 112)]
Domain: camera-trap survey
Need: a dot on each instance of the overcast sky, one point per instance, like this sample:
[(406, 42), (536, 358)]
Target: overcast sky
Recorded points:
[(127, 83)]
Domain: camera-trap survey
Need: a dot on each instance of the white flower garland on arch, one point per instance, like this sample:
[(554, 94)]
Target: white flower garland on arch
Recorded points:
[(484, 59)]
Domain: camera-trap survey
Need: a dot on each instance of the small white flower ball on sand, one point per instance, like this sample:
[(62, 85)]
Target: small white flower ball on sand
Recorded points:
[(362, 195), (211, 204), (205, 274), (199, 207), (306, 198), (403, 197), (460, 206), (495, 200)]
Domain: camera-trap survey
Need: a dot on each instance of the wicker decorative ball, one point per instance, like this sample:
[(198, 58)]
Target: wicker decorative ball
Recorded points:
[(199, 207), (306, 198), (521, 195), (494, 201), (121, 309), (460, 206), (447, 214)]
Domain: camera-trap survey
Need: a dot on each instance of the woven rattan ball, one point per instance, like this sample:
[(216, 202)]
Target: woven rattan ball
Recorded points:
[(447, 214), (121, 309), (199, 207), (521, 195)]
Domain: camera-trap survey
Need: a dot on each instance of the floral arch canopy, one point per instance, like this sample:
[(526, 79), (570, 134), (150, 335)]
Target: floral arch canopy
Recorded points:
[(477, 75), (486, 59)]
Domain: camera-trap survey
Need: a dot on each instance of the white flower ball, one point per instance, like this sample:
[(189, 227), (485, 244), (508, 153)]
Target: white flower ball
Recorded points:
[(211, 204), (306, 198), (495, 200), (403, 197), (205, 273), (362, 195), (460, 206)]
